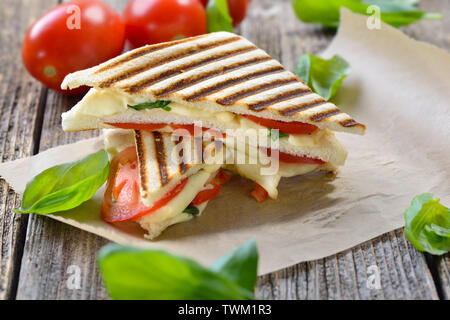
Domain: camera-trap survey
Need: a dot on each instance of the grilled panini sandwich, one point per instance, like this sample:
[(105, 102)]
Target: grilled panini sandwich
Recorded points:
[(219, 81), (158, 180)]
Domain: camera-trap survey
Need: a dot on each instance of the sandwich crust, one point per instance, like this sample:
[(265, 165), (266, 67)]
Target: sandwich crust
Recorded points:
[(216, 72)]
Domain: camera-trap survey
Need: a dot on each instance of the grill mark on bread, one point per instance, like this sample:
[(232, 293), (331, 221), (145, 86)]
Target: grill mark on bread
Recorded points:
[(181, 164), (205, 91), (186, 67), (160, 156), (232, 98), (143, 51), (261, 105), (198, 78), (161, 60), (349, 123), (302, 107), (140, 149), (323, 115)]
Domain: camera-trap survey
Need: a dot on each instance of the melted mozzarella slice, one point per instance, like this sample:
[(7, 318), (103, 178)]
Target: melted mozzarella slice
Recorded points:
[(172, 213)]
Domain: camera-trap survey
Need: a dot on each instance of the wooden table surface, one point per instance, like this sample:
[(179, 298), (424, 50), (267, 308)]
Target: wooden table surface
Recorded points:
[(37, 251)]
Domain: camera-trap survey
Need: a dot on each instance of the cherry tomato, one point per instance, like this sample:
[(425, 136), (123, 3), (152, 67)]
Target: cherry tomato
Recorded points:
[(123, 185), (293, 127), (259, 193), (154, 21), (289, 158), (237, 9), (72, 36)]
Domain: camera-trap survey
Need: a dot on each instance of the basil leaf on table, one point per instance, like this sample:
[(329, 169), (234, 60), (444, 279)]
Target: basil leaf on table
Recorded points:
[(130, 273), (323, 76), (218, 16), (326, 12), (240, 265), (65, 186), (163, 104), (427, 225)]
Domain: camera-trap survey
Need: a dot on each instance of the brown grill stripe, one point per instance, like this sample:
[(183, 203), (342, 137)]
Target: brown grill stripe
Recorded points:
[(160, 156), (231, 82), (229, 100), (304, 106), (186, 67), (140, 148), (179, 144), (349, 123), (145, 50), (163, 60), (197, 78), (258, 106), (198, 146), (320, 116)]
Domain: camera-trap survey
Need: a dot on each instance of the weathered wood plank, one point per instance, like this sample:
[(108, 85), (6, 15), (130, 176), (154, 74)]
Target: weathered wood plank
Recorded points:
[(444, 275), (21, 104), (51, 248), (403, 274)]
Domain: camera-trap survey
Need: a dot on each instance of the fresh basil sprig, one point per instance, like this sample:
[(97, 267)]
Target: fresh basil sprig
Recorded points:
[(427, 225), (276, 135), (394, 12), (163, 104), (65, 186), (323, 76), (130, 273), (218, 16), (192, 210)]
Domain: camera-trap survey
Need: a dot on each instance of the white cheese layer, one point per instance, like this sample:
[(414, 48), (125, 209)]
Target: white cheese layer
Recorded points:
[(100, 107), (172, 213)]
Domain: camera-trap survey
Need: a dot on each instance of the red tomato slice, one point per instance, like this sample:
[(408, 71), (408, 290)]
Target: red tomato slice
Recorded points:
[(138, 126), (206, 195), (191, 129), (293, 127), (216, 184), (123, 184), (289, 158), (259, 193), (221, 178)]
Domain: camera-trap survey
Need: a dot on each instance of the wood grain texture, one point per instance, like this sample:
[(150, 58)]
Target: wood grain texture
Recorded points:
[(21, 99), (51, 247), (402, 270)]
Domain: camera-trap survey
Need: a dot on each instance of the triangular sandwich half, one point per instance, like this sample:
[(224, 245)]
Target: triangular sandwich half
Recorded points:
[(153, 182), (219, 81)]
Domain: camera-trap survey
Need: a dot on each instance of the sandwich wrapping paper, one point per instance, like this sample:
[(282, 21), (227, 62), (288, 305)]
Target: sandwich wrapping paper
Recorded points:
[(399, 88)]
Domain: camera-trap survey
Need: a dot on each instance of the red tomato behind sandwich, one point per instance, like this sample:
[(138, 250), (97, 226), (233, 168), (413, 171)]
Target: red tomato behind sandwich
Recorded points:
[(72, 36)]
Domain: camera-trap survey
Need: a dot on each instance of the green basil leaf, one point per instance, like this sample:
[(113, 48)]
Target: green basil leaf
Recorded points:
[(192, 210), (394, 12), (240, 265), (323, 76), (130, 273), (427, 225), (152, 105), (65, 186), (218, 16), (274, 135)]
